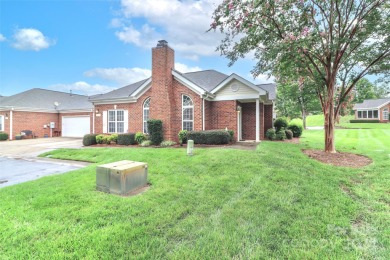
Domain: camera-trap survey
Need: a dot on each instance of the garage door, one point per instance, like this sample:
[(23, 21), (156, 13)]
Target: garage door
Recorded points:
[(75, 126)]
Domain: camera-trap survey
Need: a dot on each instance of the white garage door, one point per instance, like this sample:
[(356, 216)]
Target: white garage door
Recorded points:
[(75, 126)]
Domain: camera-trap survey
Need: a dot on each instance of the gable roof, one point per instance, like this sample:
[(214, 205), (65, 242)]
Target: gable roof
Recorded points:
[(372, 103), (43, 99), (203, 82), (270, 88), (120, 93), (206, 79)]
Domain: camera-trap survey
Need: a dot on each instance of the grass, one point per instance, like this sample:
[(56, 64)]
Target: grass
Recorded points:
[(318, 120), (221, 203), (315, 120)]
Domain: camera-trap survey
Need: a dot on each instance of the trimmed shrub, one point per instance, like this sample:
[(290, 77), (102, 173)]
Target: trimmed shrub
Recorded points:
[(167, 143), (280, 123), (140, 137), (280, 135), (89, 139), (126, 139), (231, 133), (113, 138), (364, 121), (209, 137), (270, 134), (289, 134), (183, 137), (100, 139), (3, 136), (297, 129), (155, 131), (146, 143)]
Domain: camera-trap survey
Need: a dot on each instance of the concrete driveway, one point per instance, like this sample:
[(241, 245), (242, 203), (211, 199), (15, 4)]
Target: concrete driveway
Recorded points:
[(19, 161)]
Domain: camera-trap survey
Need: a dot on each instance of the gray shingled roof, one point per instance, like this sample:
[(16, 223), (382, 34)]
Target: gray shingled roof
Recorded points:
[(270, 88), (372, 103), (206, 79), (123, 92), (44, 99)]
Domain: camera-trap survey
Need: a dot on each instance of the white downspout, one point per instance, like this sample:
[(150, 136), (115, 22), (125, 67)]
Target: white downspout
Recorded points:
[(10, 124), (203, 115), (257, 120), (93, 121)]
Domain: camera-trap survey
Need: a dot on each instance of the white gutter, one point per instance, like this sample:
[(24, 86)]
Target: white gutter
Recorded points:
[(203, 115)]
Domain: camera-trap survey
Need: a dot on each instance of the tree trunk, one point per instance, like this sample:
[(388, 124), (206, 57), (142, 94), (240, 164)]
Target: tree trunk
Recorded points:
[(304, 119), (329, 121)]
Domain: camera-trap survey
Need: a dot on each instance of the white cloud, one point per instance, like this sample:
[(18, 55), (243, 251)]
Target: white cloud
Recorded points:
[(182, 23), (2, 38), (262, 79), (82, 87), (183, 68), (31, 39), (122, 76)]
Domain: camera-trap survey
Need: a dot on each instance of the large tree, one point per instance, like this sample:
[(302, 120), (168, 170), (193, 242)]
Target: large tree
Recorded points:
[(319, 38), (366, 90)]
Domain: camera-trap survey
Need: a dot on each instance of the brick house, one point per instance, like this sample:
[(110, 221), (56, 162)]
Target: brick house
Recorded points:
[(202, 100), (373, 109), (46, 113)]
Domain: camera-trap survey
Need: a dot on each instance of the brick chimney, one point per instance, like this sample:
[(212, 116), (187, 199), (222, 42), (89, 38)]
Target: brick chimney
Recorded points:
[(162, 101)]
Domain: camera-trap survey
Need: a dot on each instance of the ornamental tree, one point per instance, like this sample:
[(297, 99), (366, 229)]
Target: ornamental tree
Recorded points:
[(316, 38)]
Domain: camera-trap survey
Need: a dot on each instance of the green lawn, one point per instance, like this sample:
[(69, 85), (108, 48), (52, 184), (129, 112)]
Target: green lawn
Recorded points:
[(318, 120), (221, 203), (315, 120)]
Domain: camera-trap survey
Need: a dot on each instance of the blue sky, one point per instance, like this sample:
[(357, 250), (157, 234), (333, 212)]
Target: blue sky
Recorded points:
[(93, 47)]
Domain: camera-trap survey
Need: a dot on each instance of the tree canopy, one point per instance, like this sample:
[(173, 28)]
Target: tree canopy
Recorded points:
[(321, 41)]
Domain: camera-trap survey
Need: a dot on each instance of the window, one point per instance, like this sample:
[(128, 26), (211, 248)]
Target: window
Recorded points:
[(146, 115), (1, 123), (367, 114), (385, 114), (188, 113), (116, 121)]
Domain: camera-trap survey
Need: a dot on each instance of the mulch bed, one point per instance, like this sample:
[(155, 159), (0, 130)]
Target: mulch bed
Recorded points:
[(339, 159)]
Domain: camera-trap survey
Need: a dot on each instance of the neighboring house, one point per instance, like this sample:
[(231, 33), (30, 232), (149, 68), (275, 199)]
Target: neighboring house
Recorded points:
[(373, 109), (202, 100), (35, 109)]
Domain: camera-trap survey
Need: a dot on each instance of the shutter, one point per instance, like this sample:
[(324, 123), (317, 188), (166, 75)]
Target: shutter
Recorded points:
[(104, 122), (126, 121)]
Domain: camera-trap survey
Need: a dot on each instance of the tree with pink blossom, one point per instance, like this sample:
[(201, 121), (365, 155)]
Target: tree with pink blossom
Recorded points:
[(316, 39)]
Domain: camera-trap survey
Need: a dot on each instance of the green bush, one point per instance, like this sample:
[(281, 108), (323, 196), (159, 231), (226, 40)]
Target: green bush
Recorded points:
[(155, 131), (231, 133), (280, 123), (364, 121), (100, 139), (89, 139), (183, 137), (296, 128), (126, 139), (289, 134), (167, 143), (113, 138), (270, 134), (209, 137), (280, 135), (146, 143), (3, 136), (140, 137)]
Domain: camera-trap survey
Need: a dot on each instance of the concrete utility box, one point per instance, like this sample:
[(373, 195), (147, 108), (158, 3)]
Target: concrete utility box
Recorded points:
[(121, 177)]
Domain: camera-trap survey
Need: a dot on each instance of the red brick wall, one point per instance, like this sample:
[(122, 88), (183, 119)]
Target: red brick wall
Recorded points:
[(222, 114), (381, 113), (33, 121), (268, 120)]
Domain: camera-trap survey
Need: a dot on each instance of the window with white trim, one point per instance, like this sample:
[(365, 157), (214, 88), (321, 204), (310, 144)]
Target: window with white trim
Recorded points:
[(385, 114), (116, 121), (367, 114), (187, 113), (146, 115), (1, 123)]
